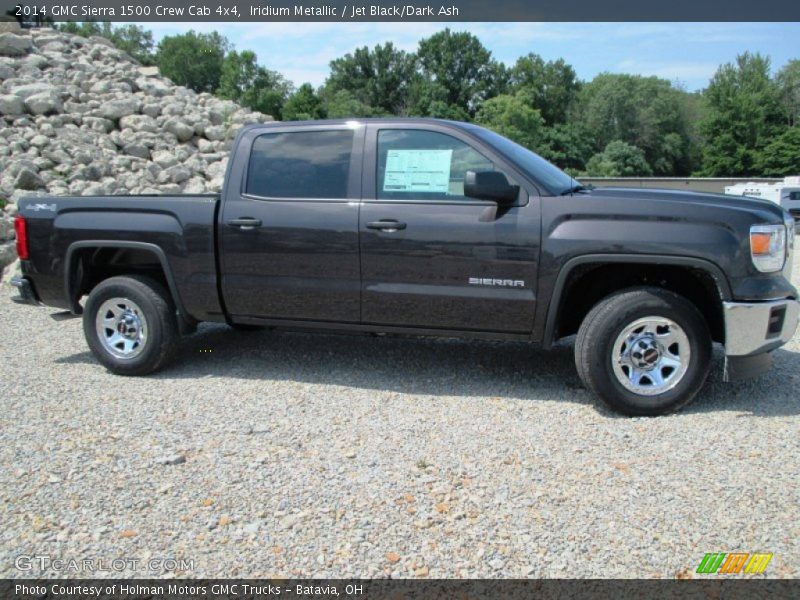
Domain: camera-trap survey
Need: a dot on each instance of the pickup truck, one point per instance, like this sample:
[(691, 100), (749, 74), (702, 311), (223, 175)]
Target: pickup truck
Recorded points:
[(427, 228)]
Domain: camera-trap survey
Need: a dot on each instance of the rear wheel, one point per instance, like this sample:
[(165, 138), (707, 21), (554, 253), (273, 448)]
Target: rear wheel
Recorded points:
[(644, 351), (130, 326)]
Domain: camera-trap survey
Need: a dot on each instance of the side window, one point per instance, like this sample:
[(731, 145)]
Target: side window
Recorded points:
[(417, 164), (301, 164)]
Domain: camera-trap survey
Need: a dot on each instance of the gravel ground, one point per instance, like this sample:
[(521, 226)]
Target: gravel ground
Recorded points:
[(277, 454)]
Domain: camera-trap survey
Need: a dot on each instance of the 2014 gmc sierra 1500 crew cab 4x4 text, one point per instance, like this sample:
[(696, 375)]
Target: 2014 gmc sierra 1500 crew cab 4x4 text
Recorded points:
[(425, 227)]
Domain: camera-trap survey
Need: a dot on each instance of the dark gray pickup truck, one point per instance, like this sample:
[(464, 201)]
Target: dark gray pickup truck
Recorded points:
[(431, 228)]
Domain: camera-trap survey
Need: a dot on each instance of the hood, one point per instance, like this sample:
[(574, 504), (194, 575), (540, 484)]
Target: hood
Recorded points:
[(707, 199)]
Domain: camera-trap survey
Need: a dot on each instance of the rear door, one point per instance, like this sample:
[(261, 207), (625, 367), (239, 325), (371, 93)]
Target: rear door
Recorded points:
[(289, 224), (431, 257)]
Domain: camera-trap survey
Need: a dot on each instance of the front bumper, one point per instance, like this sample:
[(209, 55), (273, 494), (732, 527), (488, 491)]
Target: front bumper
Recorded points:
[(27, 295), (756, 327), (752, 331)]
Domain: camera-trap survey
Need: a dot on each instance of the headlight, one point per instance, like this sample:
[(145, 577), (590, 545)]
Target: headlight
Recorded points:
[(768, 247)]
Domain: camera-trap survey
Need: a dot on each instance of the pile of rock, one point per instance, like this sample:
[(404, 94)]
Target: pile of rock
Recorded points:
[(80, 117)]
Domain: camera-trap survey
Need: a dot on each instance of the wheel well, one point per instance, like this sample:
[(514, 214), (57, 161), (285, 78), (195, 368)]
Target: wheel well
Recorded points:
[(587, 284), (90, 266)]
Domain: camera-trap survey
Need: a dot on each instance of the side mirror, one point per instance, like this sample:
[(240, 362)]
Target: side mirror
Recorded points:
[(490, 185)]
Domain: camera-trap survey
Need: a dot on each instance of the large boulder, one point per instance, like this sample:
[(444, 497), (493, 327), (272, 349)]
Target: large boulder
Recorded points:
[(139, 123), (29, 89), (181, 130), (116, 109), (12, 44), (11, 105), (28, 179), (44, 103)]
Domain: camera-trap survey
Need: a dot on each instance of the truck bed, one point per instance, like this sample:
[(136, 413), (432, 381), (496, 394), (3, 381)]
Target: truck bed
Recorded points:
[(176, 231)]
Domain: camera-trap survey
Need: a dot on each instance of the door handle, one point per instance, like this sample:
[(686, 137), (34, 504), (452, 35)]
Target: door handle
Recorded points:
[(387, 225), (245, 223)]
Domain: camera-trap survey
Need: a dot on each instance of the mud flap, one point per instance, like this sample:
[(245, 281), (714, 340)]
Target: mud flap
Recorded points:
[(746, 367)]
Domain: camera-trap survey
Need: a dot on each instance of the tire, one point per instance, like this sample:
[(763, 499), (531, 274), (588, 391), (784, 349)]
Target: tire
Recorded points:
[(143, 333), (643, 351)]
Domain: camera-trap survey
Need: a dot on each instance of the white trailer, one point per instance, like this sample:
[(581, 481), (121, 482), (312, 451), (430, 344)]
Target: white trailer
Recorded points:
[(785, 193)]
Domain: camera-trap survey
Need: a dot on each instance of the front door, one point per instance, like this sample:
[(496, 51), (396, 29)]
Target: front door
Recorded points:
[(289, 232), (431, 257)]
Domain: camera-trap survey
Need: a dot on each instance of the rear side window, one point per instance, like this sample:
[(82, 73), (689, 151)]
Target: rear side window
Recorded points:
[(301, 164)]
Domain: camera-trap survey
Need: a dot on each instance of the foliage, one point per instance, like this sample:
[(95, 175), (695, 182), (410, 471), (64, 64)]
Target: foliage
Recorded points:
[(743, 115), (781, 156), (133, 39), (618, 159), (788, 82), (343, 104), (567, 145), (378, 79), (459, 71), (258, 88), (512, 117), (193, 59), (303, 105), (551, 86), (646, 112)]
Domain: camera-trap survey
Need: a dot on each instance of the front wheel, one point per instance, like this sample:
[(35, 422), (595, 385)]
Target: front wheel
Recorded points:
[(130, 326), (644, 351)]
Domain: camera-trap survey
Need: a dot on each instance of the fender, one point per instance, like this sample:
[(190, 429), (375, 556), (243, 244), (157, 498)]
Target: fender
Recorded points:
[(69, 272), (723, 287)]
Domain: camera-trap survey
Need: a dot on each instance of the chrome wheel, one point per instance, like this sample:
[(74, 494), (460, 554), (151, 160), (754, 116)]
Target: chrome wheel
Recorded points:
[(121, 327), (651, 356)]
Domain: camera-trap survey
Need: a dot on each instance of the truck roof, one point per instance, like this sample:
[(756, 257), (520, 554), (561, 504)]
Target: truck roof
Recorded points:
[(364, 120)]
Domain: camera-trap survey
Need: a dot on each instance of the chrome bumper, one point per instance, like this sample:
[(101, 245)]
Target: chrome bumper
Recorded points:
[(755, 327)]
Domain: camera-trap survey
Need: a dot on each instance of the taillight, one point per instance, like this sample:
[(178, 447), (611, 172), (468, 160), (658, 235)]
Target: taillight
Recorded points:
[(21, 228)]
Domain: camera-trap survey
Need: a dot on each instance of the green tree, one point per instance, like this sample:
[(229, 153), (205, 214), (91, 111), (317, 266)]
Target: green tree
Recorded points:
[(743, 115), (193, 59), (460, 70), (551, 86), (303, 105), (512, 117), (86, 28), (428, 98), (343, 104), (781, 156), (619, 159), (135, 40), (646, 112), (567, 145), (377, 78), (788, 82), (244, 81)]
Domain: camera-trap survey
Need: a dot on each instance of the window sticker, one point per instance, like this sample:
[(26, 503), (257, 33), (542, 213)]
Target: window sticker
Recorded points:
[(418, 171)]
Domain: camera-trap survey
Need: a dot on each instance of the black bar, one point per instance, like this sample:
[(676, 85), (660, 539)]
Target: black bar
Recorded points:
[(348, 11), (732, 588)]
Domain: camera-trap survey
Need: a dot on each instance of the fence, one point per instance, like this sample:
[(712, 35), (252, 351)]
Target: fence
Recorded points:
[(695, 184)]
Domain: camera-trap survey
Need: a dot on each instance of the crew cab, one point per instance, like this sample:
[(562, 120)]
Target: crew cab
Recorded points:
[(428, 228)]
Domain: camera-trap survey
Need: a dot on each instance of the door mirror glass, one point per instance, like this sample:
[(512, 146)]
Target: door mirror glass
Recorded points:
[(490, 185)]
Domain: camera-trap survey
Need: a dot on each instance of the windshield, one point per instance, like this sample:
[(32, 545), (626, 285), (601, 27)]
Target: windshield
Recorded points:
[(550, 176)]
